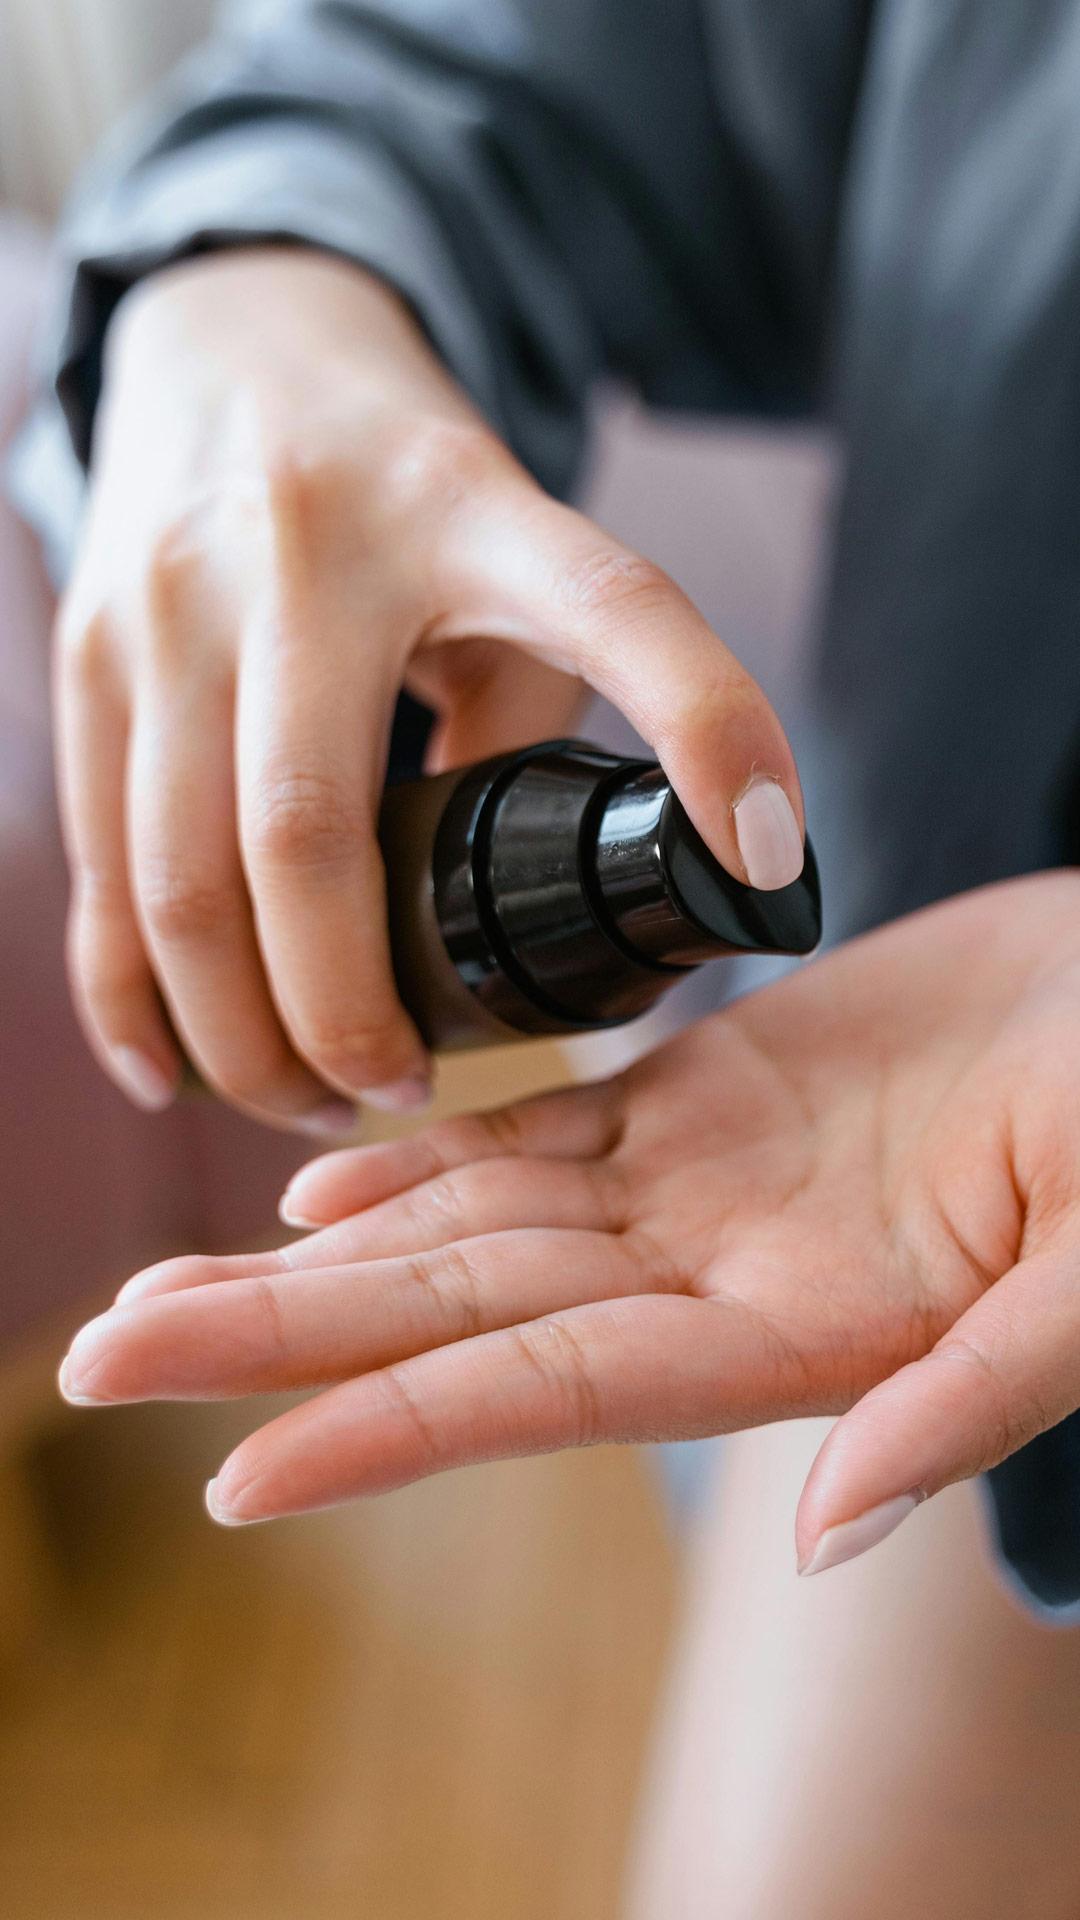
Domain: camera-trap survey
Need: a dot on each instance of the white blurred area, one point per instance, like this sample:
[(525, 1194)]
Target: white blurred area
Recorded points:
[(67, 68)]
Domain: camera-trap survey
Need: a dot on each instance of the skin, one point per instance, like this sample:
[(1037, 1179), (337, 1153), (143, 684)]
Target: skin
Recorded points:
[(856, 1192), (305, 517)]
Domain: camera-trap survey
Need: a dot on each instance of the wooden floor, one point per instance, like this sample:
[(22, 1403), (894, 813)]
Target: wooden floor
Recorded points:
[(432, 1706), (428, 1706)]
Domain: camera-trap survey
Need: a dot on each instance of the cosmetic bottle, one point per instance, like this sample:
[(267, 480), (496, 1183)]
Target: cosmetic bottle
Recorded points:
[(561, 889)]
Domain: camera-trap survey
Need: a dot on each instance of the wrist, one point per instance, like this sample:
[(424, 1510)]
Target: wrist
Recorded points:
[(269, 315)]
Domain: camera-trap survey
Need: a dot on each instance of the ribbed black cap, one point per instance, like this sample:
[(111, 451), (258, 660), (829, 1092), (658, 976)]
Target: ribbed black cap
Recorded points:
[(672, 902)]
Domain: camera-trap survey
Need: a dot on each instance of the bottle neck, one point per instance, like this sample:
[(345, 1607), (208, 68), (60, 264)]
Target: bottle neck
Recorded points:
[(633, 881)]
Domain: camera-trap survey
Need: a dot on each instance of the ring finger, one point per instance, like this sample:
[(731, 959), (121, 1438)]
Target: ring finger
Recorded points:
[(468, 1201), (288, 1331)]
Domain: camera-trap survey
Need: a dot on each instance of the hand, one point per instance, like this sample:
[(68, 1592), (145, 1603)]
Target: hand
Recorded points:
[(294, 513), (859, 1188)]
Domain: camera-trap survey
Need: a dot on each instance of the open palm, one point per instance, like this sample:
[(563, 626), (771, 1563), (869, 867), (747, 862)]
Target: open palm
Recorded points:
[(869, 1173)]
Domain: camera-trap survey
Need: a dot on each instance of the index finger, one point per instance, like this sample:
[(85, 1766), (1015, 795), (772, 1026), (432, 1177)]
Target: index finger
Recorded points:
[(591, 606)]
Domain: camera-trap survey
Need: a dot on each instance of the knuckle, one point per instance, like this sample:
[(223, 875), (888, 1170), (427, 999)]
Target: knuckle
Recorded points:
[(269, 1306), (172, 574), (108, 986), (504, 1128), (694, 713), (182, 905), (438, 1204), (1003, 1427), (461, 1283), (301, 488), (394, 1385), (554, 1353), (303, 820), (452, 1142), (105, 960), (446, 1144), (85, 645), (450, 1282), (108, 991), (99, 896), (611, 582), (434, 464), (363, 1055)]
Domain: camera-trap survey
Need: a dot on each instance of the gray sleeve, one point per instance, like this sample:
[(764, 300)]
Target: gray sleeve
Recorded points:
[(540, 179)]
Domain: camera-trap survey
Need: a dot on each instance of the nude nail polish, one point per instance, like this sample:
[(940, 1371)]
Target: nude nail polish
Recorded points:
[(143, 1080), (222, 1514), (292, 1218), (334, 1120), (401, 1096), (768, 835), (70, 1392), (853, 1537)]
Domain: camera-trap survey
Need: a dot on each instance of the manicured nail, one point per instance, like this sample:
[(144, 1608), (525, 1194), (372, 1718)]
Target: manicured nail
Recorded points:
[(291, 1204), (215, 1509), (143, 1080), (334, 1120), (401, 1096), (218, 1511), (853, 1537), (768, 835), (288, 1213), (69, 1391), (77, 1364)]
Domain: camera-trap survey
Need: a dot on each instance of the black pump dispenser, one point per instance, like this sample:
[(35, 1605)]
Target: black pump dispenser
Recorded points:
[(560, 889)]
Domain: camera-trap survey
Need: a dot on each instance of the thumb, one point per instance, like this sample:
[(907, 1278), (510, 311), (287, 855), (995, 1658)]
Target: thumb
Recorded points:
[(1007, 1370)]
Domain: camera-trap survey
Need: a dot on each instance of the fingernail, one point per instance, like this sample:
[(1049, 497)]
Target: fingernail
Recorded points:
[(69, 1391), (143, 1080), (292, 1211), (215, 1509), (768, 835), (401, 1096), (218, 1511), (853, 1537), (333, 1120), (77, 1366), (292, 1218)]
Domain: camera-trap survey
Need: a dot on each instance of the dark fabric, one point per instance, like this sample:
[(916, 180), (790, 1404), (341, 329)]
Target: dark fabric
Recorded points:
[(869, 209), (408, 740), (1037, 1515)]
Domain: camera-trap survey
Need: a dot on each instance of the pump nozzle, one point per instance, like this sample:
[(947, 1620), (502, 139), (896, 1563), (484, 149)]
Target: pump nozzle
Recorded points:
[(671, 901)]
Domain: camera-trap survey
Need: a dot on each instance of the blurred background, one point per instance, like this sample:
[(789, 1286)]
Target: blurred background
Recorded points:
[(435, 1704)]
